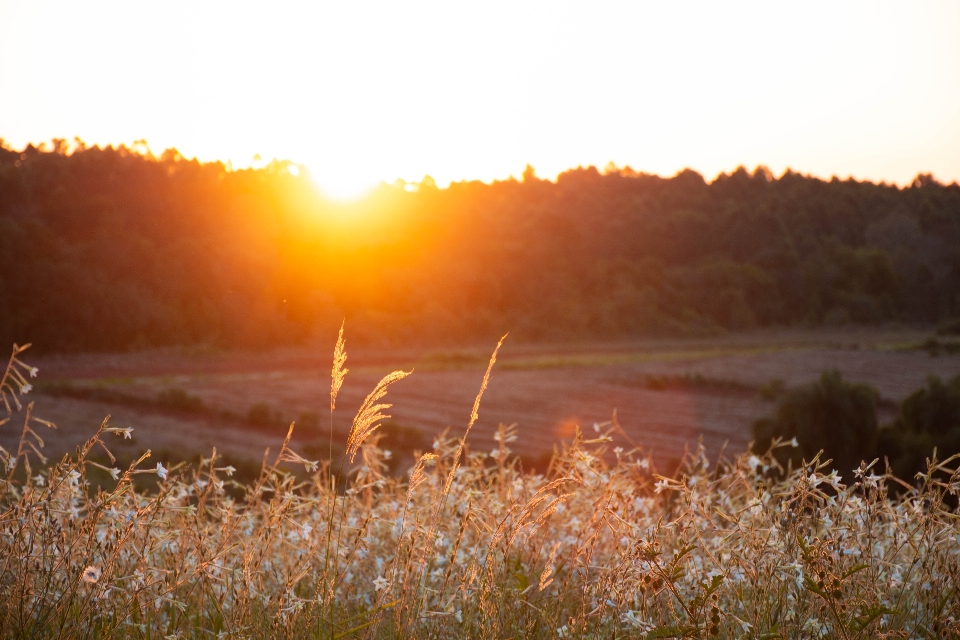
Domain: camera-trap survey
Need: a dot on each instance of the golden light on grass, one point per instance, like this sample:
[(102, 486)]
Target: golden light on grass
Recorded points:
[(370, 414), (596, 548)]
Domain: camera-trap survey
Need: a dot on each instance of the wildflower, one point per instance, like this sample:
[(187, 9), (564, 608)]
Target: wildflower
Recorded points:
[(90, 575), (458, 615), (661, 485), (380, 583), (229, 470), (618, 451), (563, 632), (26, 388), (794, 443), (115, 473), (631, 618), (754, 462), (161, 471), (33, 372), (643, 464)]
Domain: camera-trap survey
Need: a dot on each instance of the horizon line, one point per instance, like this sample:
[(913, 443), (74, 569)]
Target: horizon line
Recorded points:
[(141, 147)]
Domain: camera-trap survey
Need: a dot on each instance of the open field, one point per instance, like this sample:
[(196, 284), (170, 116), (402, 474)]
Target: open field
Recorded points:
[(545, 390)]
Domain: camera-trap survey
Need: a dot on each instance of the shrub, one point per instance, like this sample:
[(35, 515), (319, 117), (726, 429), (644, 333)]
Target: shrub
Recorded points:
[(928, 418), (179, 400), (262, 415), (829, 415), (309, 421)]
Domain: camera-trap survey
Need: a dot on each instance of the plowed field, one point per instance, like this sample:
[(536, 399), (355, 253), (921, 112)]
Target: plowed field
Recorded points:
[(546, 391)]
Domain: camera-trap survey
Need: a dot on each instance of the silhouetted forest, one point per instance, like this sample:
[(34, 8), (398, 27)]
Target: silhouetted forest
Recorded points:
[(106, 249)]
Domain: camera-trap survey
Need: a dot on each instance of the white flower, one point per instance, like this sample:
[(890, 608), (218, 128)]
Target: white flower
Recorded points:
[(794, 443), (33, 372), (115, 473), (661, 485), (563, 631), (161, 471), (618, 451), (90, 575), (754, 462), (229, 470), (458, 615), (27, 388), (643, 464), (631, 618), (380, 583)]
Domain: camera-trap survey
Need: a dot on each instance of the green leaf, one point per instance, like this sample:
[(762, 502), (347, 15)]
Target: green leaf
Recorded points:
[(522, 581), (355, 629), (714, 585), (810, 585), (684, 551), (665, 632), (850, 572)]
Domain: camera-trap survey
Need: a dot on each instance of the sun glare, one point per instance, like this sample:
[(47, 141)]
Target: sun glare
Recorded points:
[(343, 189)]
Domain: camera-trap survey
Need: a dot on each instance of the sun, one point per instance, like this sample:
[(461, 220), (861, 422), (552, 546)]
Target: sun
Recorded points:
[(340, 184)]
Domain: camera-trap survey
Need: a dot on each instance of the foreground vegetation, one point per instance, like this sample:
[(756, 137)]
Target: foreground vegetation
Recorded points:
[(468, 545)]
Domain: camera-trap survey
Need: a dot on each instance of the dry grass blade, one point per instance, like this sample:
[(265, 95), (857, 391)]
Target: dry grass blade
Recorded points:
[(370, 413), (417, 476), (474, 415), (339, 372)]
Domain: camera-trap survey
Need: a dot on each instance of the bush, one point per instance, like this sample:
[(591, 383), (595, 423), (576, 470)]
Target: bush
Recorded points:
[(829, 415), (262, 415), (309, 422), (929, 418), (179, 400)]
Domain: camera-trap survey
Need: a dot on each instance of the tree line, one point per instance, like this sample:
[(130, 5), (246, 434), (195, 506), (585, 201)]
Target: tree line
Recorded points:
[(114, 248)]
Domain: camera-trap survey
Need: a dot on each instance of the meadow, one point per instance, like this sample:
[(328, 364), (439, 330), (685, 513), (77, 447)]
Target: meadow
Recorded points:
[(467, 543)]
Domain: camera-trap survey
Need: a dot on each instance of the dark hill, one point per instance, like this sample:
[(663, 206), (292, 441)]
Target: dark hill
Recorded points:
[(104, 249)]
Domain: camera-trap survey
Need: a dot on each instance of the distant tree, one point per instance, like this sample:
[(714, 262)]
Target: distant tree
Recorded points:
[(114, 248)]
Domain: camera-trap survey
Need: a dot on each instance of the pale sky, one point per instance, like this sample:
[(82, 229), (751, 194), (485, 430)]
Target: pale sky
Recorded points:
[(363, 92)]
